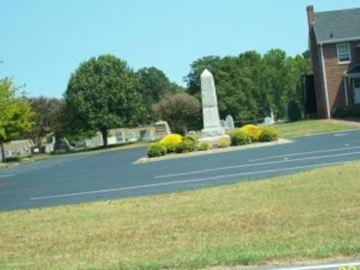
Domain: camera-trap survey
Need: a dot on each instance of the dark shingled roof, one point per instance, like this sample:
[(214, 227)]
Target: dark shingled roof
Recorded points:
[(338, 25)]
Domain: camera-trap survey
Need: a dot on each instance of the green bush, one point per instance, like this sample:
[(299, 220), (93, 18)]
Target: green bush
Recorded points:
[(294, 111), (268, 135), (156, 150), (187, 145), (347, 112), (192, 136), (171, 142), (239, 137), (203, 146), (223, 142)]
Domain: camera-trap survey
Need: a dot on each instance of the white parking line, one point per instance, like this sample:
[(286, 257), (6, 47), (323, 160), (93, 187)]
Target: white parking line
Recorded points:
[(324, 266), (182, 181), (253, 165), (306, 153), (6, 175)]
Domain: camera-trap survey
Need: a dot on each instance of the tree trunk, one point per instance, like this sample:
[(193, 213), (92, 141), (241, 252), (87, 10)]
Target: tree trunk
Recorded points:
[(3, 159), (104, 133)]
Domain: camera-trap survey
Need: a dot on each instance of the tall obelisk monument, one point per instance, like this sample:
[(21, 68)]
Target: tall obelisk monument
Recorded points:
[(211, 118)]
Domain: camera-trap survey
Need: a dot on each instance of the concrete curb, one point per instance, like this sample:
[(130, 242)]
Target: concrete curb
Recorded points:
[(145, 160)]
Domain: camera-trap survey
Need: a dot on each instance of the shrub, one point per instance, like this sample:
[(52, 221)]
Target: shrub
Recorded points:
[(239, 137), (156, 150), (347, 112), (171, 142), (203, 146), (252, 131), (187, 145), (294, 111), (268, 135), (193, 137), (223, 142)]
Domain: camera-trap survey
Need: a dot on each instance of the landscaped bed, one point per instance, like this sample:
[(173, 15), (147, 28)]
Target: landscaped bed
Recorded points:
[(309, 215), (192, 142)]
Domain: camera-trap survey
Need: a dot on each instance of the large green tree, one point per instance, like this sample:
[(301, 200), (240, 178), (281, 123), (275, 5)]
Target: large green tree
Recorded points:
[(154, 84), (15, 116), (103, 93)]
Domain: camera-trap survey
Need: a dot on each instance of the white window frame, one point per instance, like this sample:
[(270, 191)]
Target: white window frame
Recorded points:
[(343, 53)]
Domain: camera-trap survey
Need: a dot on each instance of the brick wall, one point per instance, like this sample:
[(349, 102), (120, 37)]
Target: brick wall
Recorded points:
[(335, 74), (318, 76)]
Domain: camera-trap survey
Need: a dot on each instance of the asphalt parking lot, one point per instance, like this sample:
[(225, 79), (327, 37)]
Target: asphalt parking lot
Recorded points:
[(112, 175)]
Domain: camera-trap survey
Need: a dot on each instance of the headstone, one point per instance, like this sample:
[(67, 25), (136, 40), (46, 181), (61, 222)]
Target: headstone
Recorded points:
[(229, 122), (120, 137), (132, 137), (147, 135), (211, 118), (161, 129), (270, 120)]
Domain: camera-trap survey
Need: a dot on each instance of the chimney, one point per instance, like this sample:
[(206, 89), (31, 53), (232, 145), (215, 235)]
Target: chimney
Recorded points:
[(310, 15)]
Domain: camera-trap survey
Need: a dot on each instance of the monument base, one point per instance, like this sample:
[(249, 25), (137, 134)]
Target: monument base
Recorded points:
[(212, 134), (212, 139)]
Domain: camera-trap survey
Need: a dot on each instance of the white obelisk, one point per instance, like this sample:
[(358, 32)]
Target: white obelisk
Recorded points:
[(211, 118)]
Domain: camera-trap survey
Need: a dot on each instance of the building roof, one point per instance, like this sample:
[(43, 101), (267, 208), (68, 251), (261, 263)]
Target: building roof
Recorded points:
[(337, 26)]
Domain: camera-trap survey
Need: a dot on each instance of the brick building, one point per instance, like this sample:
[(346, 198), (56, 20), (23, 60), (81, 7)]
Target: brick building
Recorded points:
[(334, 43)]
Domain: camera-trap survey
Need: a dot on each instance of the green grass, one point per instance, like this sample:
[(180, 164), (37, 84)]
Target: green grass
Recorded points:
[(311, 127), (309, 215)]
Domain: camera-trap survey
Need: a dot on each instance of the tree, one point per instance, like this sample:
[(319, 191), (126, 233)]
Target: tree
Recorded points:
[(181, 111), (154, 84), (250, 85), (102, 94), (47, 118), (16, 114)]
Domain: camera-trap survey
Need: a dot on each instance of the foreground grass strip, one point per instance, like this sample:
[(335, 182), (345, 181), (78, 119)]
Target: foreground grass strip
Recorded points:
[(310, 215), (311, 127)]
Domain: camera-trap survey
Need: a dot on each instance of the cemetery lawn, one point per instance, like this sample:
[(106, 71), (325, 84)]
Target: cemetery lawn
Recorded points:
[(311, 127), (309, 215)]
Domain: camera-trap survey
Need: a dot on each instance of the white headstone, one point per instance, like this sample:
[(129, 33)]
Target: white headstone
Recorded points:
[(211, 118), (229, 122)]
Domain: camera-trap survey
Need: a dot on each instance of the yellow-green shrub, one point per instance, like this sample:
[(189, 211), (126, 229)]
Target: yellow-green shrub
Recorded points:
[(203, 146), (268, 135), (171, 142), (253, 131), (223, 142)]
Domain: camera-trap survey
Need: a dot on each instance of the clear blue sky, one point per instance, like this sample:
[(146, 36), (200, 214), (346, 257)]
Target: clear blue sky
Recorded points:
[(43, 41)]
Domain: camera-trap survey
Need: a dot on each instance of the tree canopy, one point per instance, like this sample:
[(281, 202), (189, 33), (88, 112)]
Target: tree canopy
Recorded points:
[(250, 85), (47, 117), (181, 111), (102, 94), (16, 114)]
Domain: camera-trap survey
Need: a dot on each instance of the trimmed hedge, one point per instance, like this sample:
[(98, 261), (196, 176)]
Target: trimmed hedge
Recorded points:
[(268, 135), (187, 145), (252, 131), (223, 142), (156, 150), (239, 137), (203, 146), (347, 112), (171, 142)]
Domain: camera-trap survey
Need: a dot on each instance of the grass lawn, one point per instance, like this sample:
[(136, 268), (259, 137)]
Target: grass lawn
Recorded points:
[(309, 215), (310, 127)]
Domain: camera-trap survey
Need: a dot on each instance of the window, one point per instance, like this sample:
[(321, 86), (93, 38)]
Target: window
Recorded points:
[(343, 53)]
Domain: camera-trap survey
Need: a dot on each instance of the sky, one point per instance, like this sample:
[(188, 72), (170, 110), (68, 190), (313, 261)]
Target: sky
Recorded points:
[(43, 41)]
